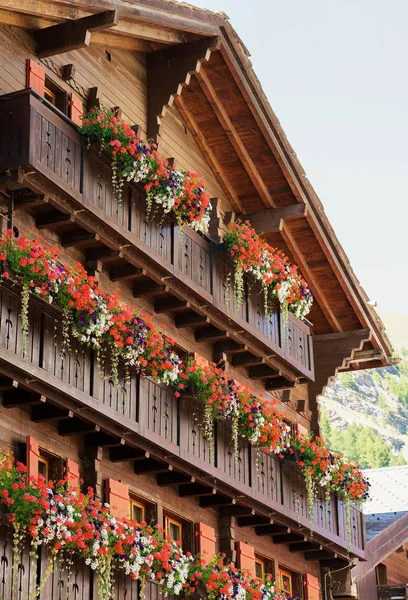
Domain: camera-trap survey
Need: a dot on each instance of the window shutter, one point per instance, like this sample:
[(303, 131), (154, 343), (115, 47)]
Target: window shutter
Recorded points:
[(117, 495), (246, 557), (76, 109), (73, 472), (200, 360), (301, 430), (32, 454), (205, 536), (312, 587), (35, 77)]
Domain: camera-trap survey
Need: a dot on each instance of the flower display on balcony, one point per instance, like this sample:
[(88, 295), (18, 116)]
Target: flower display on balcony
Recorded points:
[(62, 519), (98, 320), (139, 161), (253, 419), (280, 280), (330, 471), (102, 322)]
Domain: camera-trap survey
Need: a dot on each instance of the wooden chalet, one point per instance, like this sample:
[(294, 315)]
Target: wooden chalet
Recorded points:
[(183, 77)]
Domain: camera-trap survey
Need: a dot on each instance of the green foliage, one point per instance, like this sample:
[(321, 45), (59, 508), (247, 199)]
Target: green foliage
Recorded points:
[(360, 443), (347, 380)]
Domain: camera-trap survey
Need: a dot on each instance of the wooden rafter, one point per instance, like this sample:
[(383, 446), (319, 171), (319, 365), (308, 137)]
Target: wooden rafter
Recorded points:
[(209, 155), (271, 220), (307, 273), (74, 34), (236, 141)]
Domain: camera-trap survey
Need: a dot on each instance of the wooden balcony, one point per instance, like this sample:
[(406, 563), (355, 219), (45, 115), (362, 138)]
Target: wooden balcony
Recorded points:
[(144, 422), (41, 152), (74, 583)]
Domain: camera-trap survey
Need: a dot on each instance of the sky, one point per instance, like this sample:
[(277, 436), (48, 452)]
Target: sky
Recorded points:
[(335, 73)]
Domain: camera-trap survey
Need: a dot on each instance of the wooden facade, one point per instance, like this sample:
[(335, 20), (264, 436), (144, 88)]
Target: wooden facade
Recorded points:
[(183, 77)]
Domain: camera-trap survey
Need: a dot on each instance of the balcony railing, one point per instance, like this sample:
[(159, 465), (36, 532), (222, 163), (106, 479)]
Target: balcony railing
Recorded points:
[(71, 579), (152, 412), (37, 137)]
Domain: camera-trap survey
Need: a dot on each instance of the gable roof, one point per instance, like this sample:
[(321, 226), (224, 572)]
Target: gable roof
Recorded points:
[(263, 175)]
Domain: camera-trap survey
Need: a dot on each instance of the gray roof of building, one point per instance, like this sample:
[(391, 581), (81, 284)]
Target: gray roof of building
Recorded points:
[(388, 491), (376, 523)]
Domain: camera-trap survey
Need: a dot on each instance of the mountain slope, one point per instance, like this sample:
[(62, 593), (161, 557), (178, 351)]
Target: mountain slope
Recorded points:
[(365, 415)]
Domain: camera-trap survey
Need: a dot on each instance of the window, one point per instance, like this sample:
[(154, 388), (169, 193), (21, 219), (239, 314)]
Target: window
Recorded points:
[(44, 468), (55, 95), (286, 581), (50, 465), (259, 568), (137, 511), (173, 528)]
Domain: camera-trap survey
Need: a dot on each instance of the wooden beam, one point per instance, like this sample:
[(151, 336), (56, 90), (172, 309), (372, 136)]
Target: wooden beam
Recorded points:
[(27, 201), (113, 40), (305, 547), (6, 383), (274, 529), (171, 304), (54, 218), (105, 255), (236, 511), (125, 273), (127, 453), (196, 489), (189, 319), (151, 465), (307, 273), (209, 334), (262, 371), (287, 538), (367, 355), (240, 147), (147, 288), (229, 347), (199, 138), (16, 397), (173, 478), (179, 18), (215, 500), (322, 555), (272, 219), (79, 238), (45, 413), (279, 383), (103, 440), (246, 359), (253, 521), (76, 426), (74, 34)]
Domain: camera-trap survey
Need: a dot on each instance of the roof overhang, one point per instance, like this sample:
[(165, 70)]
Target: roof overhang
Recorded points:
[(197, 63)]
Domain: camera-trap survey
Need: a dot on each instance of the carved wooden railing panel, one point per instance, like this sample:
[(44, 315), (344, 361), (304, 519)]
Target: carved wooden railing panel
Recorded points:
[(194, 259), (224, 289), (234, 468), (123, 398), (266, 478), (155, 230), (268, 325), (193, 444), (158, 413)]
